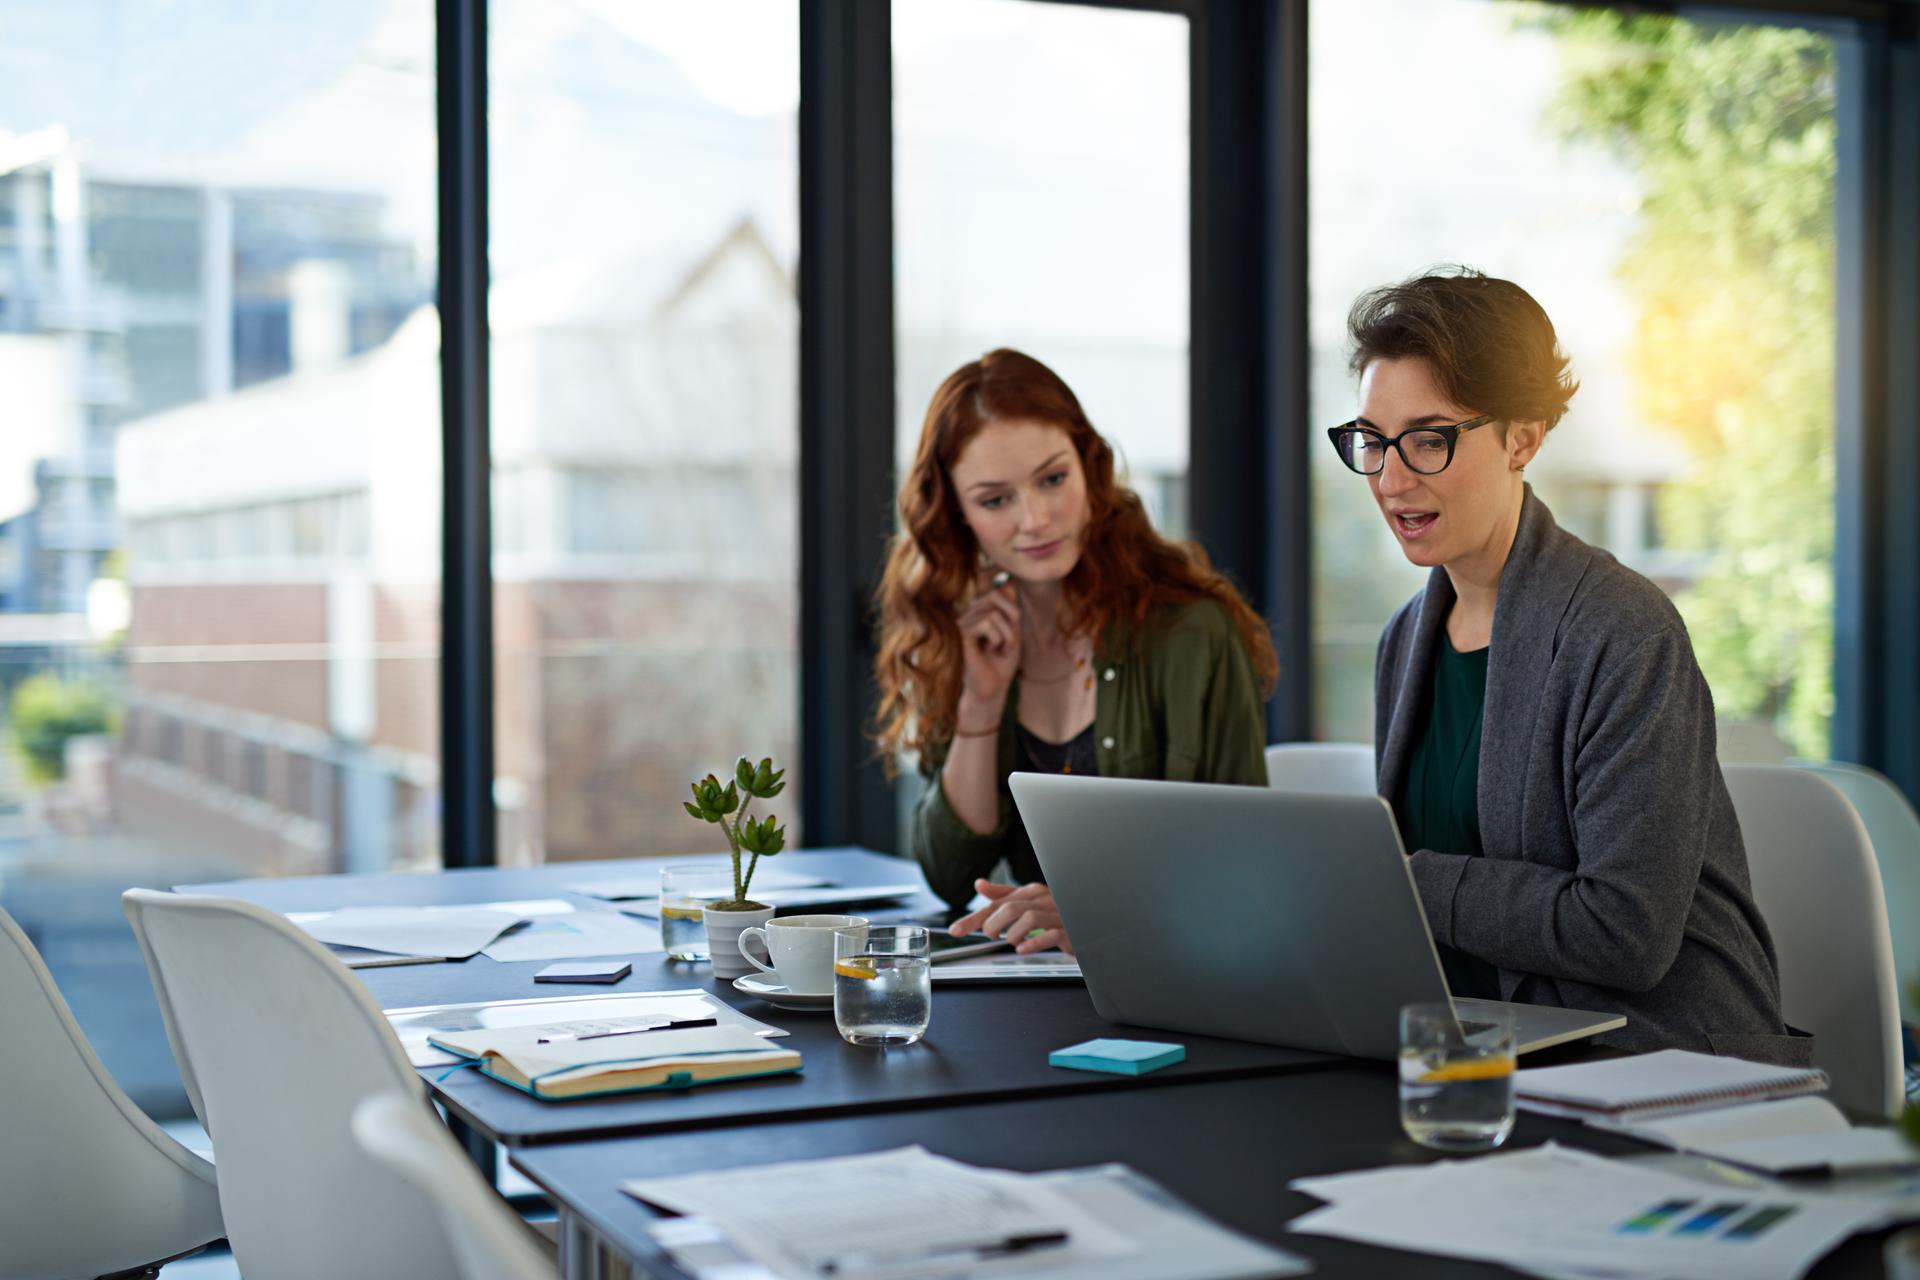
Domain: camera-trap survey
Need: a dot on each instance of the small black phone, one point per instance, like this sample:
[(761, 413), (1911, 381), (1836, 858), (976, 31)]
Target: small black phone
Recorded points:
[(585, 971)]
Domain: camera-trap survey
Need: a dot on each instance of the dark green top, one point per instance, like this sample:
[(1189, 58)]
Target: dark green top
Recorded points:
[(1439, 808), (1181, 705)]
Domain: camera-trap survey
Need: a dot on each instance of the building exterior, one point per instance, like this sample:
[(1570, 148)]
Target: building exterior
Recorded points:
[(282, 653)]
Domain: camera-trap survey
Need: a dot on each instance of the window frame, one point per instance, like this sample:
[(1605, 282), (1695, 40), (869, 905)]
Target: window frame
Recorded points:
[(1249, 477)]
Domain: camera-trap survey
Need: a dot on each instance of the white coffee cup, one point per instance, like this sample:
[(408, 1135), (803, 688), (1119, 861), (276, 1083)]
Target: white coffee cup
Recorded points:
[(801, 949)]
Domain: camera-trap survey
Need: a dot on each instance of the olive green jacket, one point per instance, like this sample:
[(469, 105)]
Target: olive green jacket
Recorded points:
[(1181, 706)]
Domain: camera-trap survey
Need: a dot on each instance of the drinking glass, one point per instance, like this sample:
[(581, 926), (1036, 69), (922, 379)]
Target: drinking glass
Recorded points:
[(1456, 1076), (882, 986), (685, 890)]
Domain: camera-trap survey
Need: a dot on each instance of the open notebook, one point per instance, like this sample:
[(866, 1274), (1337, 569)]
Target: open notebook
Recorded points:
[(1787, 1135), (576, 1060), (1653, 1084)]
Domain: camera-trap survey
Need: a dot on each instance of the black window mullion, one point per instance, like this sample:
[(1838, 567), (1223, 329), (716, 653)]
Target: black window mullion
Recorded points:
[(846, 407), (1877, 401), (1248, 478), (466, 588)]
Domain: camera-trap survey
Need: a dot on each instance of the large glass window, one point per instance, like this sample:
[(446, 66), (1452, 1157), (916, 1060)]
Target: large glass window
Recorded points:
[(1665, 189), (219, 535), (644, 236), (1041, 202)]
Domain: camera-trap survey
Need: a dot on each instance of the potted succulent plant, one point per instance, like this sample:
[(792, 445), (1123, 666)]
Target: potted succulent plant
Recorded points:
[(727, 806)]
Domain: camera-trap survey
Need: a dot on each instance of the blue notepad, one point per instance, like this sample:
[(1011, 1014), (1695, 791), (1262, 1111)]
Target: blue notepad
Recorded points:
[(1122, 1057)]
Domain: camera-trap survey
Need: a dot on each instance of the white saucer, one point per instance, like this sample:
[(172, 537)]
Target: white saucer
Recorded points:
[(767, 987)]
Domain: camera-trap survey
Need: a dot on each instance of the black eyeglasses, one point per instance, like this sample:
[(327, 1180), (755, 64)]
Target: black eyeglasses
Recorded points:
[(1427, 450)]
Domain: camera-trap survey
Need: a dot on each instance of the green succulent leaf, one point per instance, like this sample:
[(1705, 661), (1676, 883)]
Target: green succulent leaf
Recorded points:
[(710, 802), (763, 838), (765, 780), (743, 774)]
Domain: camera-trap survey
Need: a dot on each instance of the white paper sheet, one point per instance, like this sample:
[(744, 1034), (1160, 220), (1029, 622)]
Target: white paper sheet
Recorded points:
[(576, 935), (1559, 1210), (1175, 1242), (1792, 1134), (899, 1213), (446, 932), (624, 888)]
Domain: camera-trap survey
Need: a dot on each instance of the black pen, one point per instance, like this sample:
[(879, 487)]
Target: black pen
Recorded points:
[(974, 1252), (603, 1035)]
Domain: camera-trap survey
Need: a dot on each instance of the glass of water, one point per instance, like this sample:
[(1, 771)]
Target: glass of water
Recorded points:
[(1456, 1076), (882, 987), (685, 890)]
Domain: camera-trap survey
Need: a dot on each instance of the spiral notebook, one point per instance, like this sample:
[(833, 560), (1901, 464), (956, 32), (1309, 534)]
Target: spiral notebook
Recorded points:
[(1668, 1082)]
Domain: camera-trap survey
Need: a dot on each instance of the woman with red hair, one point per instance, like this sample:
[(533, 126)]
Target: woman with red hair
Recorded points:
[(1032, 619)]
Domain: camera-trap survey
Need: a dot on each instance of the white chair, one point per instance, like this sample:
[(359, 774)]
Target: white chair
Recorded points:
[(1334, 768), (1816, 883), (487, 1238), (281, 1043), (89, 1186), (1894, 829)]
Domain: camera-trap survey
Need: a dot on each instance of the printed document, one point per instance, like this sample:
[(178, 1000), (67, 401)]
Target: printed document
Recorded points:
[(910, 1213), (1173, 1242), (1554, 1210)]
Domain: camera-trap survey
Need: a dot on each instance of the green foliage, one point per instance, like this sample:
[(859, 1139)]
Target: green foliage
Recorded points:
[(712, 802), (45, 712), (1731, 133), (1910, 1118)]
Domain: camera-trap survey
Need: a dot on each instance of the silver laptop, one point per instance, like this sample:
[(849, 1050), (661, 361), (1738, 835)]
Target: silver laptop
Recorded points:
[(1283, 917)]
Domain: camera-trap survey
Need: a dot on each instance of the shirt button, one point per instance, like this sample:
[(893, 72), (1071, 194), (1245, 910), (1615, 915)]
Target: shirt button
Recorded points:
[(1109, 675), (1107, 743)]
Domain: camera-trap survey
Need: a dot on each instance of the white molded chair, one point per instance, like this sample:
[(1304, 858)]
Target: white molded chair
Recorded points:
[(1817, 885), (1894, 829), (1334, 768), (487, 1238), (89, 1186), (280, 1043)]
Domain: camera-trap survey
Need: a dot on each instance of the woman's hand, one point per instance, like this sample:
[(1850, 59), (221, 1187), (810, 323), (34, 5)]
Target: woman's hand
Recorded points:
[(990, 640), (1025, 915)]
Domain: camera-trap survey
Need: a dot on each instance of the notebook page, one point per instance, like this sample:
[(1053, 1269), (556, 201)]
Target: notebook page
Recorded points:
[(1783, 1118)]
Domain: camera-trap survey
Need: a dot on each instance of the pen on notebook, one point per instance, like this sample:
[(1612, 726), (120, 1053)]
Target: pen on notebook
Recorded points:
[(632, 1031), (977, 1251)]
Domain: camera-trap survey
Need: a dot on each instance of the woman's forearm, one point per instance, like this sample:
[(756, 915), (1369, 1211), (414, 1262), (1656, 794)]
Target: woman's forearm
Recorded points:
[(968, 777)]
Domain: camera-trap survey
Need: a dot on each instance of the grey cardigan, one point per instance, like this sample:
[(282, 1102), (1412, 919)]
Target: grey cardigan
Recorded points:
[(1613, 876)]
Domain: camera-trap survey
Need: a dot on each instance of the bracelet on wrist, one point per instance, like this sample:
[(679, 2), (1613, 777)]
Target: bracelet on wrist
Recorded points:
[(958, 732)]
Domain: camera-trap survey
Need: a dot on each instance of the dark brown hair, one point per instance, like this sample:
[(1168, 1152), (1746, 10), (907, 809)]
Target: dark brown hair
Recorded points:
[(1489, 344), (1126, 569)]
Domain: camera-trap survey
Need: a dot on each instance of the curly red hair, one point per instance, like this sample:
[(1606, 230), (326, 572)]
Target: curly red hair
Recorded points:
[(1126, 569)]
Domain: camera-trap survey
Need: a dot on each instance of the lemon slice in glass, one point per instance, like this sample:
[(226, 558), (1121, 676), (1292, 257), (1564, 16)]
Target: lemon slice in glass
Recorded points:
[(1478, 1069), (855, 968)]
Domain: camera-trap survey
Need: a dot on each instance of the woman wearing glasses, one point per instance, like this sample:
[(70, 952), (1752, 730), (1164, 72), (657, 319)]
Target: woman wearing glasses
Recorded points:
[(1031, 619), (1542, 729)]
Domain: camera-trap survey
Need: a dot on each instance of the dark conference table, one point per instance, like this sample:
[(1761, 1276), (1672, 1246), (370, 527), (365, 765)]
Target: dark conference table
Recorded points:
[(1225, 1130)]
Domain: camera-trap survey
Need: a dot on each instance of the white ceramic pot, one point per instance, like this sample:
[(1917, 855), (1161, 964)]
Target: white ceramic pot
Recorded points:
[(723, 939)]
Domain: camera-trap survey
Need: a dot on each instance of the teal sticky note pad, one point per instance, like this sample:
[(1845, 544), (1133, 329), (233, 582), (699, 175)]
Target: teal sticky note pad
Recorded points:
[(1122, 1057)]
